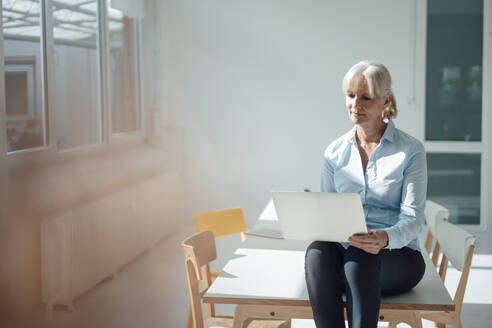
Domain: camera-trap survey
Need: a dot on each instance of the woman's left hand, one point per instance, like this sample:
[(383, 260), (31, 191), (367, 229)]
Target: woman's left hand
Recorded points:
[(372, 242)]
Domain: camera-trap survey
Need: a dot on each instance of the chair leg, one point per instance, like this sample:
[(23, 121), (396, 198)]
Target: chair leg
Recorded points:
[(392, 324), (190, 320)]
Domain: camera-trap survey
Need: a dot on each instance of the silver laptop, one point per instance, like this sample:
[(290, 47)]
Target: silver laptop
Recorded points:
[(319, 215)]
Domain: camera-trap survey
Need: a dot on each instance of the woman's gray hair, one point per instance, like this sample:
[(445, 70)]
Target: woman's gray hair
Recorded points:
[(378, 81)]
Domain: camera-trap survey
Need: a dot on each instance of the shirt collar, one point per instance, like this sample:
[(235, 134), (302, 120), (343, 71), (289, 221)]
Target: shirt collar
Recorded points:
[(388, 134), (350, 136)]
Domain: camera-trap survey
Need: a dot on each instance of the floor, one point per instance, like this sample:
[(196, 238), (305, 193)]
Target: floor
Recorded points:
[(151, 292)]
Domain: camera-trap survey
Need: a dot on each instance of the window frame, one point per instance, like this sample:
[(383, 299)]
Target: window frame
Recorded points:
[(49, 150), (463, 147)]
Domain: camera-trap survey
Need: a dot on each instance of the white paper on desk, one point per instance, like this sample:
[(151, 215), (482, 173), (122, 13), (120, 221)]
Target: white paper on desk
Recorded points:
[(262, 273)]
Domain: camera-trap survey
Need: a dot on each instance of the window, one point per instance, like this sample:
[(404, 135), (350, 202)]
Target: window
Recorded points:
[(76, 65), (454, 181), (26, 120), (55, 71), (454, 71), (454, 97), (19, 78), (124, 95)]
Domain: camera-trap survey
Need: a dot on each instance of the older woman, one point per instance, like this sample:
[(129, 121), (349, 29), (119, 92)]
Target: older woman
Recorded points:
[(387, 167)]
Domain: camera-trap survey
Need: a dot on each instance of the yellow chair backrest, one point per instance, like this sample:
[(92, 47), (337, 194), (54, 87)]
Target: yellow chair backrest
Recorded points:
[(222, 222)]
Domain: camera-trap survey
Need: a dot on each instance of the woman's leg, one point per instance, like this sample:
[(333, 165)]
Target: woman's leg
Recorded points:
[(324, 278), (401, 270), (362, 287), (367, 276)]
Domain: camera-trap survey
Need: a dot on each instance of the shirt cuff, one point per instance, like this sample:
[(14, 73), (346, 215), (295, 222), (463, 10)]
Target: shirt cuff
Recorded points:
[(393, 240)]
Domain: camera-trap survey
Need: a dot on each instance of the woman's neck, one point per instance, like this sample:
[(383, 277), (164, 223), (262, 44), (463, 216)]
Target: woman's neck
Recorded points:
[(370, 133)]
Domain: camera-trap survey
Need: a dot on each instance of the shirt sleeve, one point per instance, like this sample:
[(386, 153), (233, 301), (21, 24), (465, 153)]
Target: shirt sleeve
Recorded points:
[(413, 196), (327, 182)]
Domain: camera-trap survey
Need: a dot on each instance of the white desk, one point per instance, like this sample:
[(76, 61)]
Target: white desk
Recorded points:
[(265, 278)]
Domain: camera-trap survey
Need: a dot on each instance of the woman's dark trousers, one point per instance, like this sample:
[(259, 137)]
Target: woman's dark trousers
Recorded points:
[(332, 270)]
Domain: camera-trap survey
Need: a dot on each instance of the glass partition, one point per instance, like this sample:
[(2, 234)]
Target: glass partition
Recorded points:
[(454, 182)]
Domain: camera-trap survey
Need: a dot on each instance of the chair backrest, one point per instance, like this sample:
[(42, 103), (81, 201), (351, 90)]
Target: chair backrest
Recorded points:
[(199, 250), (455, 242), (433, 212), (457, 246), (222, 222)]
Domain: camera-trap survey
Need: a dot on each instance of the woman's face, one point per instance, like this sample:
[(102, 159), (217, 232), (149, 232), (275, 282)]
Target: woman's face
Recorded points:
[(362, 108)]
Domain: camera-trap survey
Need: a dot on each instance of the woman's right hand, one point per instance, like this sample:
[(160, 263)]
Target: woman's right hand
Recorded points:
[(372, 242)]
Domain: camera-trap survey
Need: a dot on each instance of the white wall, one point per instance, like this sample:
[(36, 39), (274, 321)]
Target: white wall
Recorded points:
[(256, 86)]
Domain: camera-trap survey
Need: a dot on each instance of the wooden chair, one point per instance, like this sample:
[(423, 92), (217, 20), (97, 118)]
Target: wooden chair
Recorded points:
[(199, 250), (457, 246), (222, 222), (433, 213)]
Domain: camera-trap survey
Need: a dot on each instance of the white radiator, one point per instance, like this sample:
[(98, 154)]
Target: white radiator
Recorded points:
[(84, 246)]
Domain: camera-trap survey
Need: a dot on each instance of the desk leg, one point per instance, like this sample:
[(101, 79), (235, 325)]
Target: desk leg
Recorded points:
[(244, 312)]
